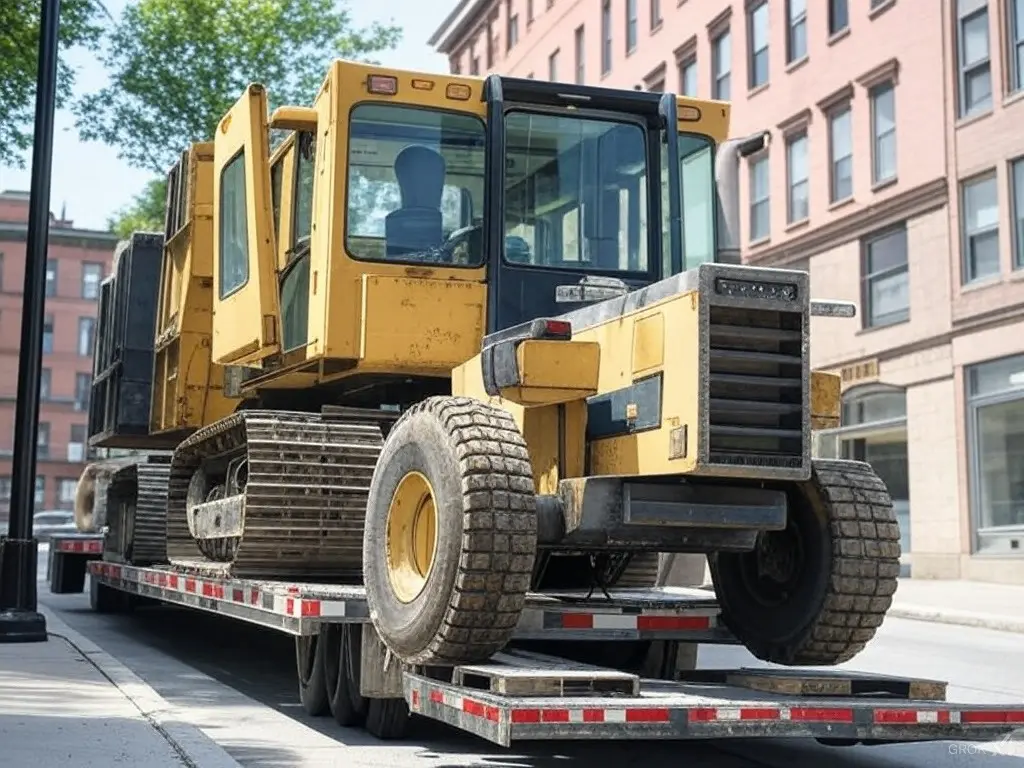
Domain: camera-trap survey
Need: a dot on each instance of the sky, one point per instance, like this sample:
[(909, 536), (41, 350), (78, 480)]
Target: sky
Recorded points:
[(90, 180)]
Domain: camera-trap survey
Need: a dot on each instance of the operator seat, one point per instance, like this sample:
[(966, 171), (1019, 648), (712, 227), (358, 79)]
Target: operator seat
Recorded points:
[(417, 225)]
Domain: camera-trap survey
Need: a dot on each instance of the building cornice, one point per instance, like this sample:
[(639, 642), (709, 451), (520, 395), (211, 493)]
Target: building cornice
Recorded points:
[(464, 16), (89, 237), (884, 213)]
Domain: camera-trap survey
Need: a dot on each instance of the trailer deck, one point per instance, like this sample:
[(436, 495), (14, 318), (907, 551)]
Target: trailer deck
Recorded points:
[(521, 695)]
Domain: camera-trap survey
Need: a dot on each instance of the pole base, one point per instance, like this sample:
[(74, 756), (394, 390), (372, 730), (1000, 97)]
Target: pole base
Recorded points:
[(20, 626)]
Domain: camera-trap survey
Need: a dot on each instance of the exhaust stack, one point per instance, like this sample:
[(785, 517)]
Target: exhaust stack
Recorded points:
[(727, 181)]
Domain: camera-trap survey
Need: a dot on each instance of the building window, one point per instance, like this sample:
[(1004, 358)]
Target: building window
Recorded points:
[(886, 290), (606, 37), (76, 444), (975, 67), (92, 274), (995, 416), (40, 495), (796, 34), (51, 277), (838, 16), (841, 154), (655, 14), (721, 56), (798, 179), (980, 217), (43, 441), (529, 12), (66, 487), (757, 23), (83, 387), (1015, 27), (513, 31), (48, 335), (631, 25), (883, 133), (45, 383), (553, 67), (760, 222), (490, 45), (581, 74), (874, 429), (688, 77), (474, 66), (86, 333), (1017, 176)]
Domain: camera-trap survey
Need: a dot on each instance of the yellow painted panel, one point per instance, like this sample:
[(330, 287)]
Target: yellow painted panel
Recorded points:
[(417, 325), (246, 329), (648, 344), (826, 400)]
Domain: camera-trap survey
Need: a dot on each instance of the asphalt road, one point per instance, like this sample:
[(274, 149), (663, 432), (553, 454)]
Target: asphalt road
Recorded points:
[(237, 682)]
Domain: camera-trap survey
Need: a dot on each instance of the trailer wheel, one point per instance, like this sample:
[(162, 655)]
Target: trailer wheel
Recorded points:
[(451, 533), (387, 719), (816, 593), (309, 663), (342, 643)]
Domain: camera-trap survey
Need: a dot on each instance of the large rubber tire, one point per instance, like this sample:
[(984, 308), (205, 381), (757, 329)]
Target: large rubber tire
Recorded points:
[(309, 666), (844, 546), (342, 644), (476, 463), (387, 719)]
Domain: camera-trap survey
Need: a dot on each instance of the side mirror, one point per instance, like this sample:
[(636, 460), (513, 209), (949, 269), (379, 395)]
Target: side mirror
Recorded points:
[(589, 289)]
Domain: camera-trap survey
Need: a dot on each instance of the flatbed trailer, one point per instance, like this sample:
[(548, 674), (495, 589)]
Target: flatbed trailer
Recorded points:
[(522, 694)]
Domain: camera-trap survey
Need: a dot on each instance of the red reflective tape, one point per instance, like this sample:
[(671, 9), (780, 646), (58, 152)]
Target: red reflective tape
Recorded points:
[(647, 715), (703, 714), (554, 715), (237, 596), (669, 623), (289, 606), (759, 713), (525, 716), (437, 697), (309, 607), (593, 715), (577, 621), (173, 580), (254, 596), (993, 716), (821, 715), (415, 698), (894, 716), (478, 709), (190, 585)]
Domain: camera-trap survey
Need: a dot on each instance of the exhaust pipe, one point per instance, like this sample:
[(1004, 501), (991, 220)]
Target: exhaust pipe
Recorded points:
[(727, 182)]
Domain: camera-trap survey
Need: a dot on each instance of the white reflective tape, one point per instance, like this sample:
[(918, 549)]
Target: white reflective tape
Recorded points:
[(927, 717), (615, 715), (334, 608), (614, 621), (727, 713), (575, 715)]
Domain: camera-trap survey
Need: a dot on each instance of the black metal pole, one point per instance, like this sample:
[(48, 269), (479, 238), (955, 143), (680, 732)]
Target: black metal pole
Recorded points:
[(19, 618)]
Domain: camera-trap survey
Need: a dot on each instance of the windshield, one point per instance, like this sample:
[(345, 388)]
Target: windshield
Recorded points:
[(576, 195), (415, 185)]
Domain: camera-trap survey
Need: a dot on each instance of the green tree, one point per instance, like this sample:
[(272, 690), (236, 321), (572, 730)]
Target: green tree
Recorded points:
[(176, 66), (19, 56), (145, 213)]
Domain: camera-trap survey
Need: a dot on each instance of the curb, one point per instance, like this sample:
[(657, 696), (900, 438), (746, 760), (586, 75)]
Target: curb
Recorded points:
[(196, 748), (960, 618)]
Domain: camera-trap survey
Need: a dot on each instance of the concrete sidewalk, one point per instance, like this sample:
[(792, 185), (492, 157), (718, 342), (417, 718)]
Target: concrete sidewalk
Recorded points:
[(968, 603), (66, 702)]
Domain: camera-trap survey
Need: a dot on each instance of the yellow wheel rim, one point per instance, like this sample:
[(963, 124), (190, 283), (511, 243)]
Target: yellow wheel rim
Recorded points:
[(411, 536)]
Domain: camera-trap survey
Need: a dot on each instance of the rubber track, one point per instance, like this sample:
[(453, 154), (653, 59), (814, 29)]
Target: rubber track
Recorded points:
[(865, 564), (499, 540), (305, 499)]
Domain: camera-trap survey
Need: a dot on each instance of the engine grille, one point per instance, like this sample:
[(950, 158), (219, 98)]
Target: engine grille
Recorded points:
[(755, 387)]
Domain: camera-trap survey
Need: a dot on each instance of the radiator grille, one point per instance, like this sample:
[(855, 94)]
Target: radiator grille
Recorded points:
[(755, 387)]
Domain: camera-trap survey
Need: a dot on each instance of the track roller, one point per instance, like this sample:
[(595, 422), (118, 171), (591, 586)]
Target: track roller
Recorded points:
[(451, 533), (815, 593)]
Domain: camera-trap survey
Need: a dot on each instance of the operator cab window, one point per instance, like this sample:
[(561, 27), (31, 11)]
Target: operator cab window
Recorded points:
[(415, 185), (234, 233), (575, 193)]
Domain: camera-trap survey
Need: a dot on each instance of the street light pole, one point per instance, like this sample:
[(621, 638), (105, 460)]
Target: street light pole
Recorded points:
[(20, 620)]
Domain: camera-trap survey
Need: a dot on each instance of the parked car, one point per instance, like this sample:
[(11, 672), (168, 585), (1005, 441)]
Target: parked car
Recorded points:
[(48, 522)]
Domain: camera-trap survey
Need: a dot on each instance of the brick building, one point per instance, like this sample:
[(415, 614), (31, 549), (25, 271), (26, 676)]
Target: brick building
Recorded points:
[(895, 176), (78, 260)]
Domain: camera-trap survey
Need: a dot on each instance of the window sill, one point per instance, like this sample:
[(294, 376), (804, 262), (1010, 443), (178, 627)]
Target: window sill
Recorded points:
[(1012, 98), (793, 66), (879, 186), (842, 33), (752, 92), (657, 27), (867, 329), (839, 204), (760, 242), (981, 283), (876, 12), (963, 122), (795, 226), (630, 51)]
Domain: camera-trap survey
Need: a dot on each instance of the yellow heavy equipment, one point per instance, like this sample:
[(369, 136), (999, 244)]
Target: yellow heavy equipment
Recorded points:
[(458, 339)]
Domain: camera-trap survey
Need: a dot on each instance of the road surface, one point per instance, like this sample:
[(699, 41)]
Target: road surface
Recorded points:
[(238, 684)]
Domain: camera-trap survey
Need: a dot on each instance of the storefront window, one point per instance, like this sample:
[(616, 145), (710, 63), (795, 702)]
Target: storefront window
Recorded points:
[(995, 393), (874, 429)]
